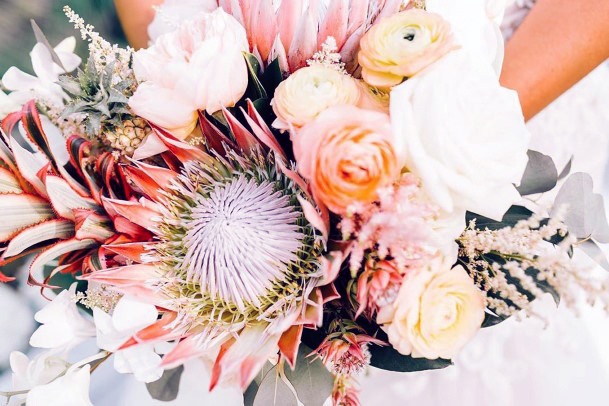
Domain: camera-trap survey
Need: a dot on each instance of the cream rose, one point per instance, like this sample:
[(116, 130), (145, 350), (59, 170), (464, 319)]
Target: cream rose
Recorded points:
[(308, 92), (463, 134), (199, 66), (437, 311), (402, 45), (347, 154)]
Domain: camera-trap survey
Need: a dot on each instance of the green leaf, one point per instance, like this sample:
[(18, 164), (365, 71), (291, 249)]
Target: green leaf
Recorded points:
[(511, 217), (167, 387), (491, 320), (272, 77), (543, 285), (255, 89), (539, 176), (389, 359)]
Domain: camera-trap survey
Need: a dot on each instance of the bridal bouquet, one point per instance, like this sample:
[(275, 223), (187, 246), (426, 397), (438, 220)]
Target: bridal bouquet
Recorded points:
[(287, 194)]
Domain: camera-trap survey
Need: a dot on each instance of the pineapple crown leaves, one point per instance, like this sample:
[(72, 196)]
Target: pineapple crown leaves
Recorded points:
[(93, 93)]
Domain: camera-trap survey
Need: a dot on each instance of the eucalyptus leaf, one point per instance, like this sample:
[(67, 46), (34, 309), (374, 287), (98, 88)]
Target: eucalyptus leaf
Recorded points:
[(585, 210), (273, 391), (41, 38), (311, 379), (167, 387), (591, 249), (310, 383), (250, 393), (566, 170), (539, 176)]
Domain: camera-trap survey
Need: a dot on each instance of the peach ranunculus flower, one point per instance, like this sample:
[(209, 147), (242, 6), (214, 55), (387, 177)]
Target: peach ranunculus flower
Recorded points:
[(198, 66), (438, 310), (309, 91), (347, 154), (402, 45)]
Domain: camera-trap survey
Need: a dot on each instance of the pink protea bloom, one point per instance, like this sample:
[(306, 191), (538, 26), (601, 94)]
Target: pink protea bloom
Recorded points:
[(346, 353), (345, 391), (377, 286), (293, 32)]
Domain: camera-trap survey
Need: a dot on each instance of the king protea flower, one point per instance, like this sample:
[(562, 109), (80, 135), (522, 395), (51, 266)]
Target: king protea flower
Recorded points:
[(51, 197), (295, 30), (236, 260)]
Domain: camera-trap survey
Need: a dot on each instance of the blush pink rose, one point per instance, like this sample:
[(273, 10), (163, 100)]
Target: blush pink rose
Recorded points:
[(347, 154)]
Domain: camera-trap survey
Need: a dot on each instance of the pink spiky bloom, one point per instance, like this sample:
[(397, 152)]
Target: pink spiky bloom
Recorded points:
[(345, 391), (377, 286), (293, 32), (397, 226), (346, 353)]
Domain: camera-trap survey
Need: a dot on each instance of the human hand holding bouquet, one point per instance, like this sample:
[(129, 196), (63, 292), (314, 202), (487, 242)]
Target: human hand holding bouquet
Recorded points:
[(282, 199)]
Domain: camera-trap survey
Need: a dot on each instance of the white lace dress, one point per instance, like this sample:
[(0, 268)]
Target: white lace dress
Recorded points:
[(526, 363)]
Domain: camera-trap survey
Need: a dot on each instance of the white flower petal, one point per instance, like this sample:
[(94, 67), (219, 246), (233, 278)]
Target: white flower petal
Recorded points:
[(131, 315), (16, 79), (71, 389), (42, 62), (141, 361)]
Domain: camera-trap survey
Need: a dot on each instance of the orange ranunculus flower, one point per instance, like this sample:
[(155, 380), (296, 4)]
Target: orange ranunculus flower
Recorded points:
[(347, 154)]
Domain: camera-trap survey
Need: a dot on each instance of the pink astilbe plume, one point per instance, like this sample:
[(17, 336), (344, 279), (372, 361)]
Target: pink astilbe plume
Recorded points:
[(398, 225)]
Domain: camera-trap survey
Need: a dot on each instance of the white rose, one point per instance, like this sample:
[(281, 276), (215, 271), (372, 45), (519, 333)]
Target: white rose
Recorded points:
[(199, 66), (438, 310), (464, 135)]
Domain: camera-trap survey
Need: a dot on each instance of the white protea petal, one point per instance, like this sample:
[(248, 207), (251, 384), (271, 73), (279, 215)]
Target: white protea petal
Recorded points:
[(64, 199), (20, 211), (8, 182), (49, 230)]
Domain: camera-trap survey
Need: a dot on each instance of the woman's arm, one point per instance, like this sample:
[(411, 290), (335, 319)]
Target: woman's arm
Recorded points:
[(558, 44), (135, 16)]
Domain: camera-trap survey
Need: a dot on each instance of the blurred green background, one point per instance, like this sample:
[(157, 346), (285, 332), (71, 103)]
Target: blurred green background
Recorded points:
[(17, 38)]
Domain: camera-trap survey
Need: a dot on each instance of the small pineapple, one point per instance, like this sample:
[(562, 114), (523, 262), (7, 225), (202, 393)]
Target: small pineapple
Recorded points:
[(102, 98), (129, 136)]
